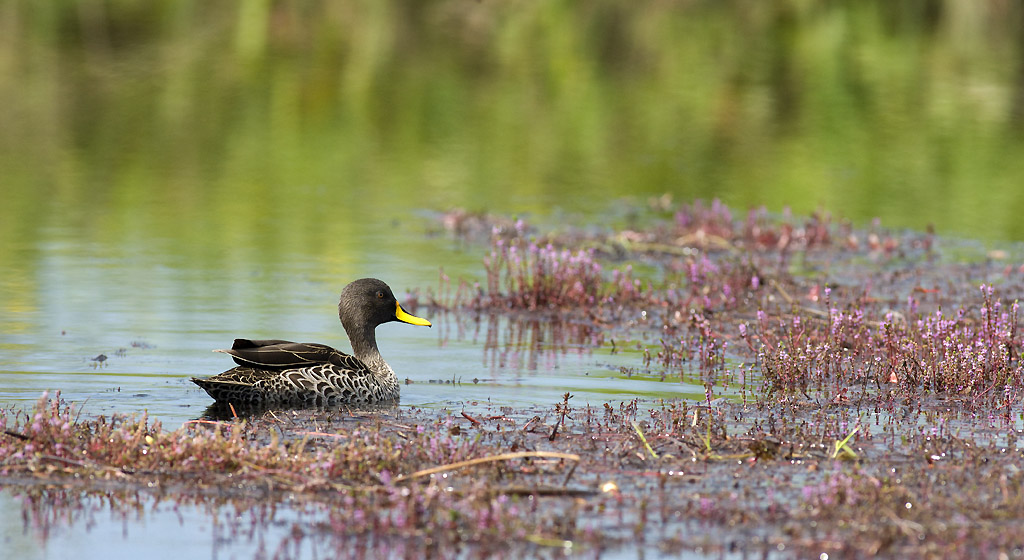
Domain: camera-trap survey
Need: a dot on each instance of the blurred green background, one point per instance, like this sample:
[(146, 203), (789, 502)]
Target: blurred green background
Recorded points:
[(258, 129)]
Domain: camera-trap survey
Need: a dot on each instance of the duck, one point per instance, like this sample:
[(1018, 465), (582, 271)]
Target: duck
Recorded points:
[(301, 374)]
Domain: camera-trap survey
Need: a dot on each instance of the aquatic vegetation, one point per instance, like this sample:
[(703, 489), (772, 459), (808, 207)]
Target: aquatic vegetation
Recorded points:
[(370, 476), (790, 302), (526, 276), (504, 482), (969, 354), (706, 259)]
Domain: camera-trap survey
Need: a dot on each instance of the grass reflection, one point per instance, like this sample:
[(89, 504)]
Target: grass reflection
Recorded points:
[(302, 119)]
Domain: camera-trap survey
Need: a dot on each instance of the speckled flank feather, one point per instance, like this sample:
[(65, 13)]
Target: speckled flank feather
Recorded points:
[(319, 385), (294, 374)]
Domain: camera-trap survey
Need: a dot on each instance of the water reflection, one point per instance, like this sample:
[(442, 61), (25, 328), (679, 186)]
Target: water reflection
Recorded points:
[(533, 343), (63, 522), (532, 358), (291, 130), (220, 411)]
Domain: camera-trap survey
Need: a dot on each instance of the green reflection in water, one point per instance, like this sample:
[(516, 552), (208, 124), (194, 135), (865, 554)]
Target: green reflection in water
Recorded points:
[(297, 126)]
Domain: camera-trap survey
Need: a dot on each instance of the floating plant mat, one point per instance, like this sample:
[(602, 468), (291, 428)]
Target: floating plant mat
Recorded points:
[(858, 393)]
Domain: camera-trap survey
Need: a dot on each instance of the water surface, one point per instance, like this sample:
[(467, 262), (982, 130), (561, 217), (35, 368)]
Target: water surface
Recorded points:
[(174, 178)]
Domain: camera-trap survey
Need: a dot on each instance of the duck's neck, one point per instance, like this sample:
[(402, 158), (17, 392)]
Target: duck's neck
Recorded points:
[(364, 347), (364, 344)]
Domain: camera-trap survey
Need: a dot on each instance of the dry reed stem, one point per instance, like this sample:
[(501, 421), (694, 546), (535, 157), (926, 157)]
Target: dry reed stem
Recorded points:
[(488, 459)]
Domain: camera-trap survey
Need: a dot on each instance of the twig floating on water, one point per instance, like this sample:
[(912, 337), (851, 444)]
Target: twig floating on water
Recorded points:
[(489, 459)]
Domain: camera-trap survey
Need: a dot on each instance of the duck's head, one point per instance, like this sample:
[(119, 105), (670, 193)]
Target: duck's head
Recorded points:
[(368, 302)]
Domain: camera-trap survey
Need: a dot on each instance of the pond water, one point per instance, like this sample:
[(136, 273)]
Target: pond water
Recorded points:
[(176, 179), (123, 333)]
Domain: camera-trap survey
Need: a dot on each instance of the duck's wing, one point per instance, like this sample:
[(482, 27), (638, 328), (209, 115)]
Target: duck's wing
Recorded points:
[(350, 364), (282, 354)]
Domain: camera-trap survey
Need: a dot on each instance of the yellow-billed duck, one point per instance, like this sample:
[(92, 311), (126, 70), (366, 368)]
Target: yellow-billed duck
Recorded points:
[(283, 373)]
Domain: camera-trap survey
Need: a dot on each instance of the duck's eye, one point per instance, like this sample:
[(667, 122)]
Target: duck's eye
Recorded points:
[(380, 295)]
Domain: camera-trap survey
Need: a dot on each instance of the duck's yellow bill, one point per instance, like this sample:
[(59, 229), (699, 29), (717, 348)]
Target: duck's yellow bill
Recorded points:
[(404, 317)]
